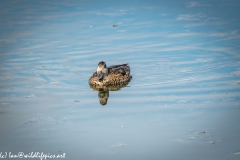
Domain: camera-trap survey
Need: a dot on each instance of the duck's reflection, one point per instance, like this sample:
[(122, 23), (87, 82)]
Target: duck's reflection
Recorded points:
[(103, 96), (103, 92)]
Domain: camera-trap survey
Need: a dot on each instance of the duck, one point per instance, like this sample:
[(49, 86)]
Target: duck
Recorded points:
[(110, 76)]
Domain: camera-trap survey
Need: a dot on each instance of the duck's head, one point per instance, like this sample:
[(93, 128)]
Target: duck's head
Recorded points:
[(102, 71)]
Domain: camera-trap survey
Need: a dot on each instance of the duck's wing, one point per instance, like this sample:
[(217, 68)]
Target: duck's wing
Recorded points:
[(116, 66), (119, 69)]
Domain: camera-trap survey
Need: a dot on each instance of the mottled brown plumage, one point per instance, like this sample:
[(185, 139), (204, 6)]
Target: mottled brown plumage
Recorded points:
[(110, 76)]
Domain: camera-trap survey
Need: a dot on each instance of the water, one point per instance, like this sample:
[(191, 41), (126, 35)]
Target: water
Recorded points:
[(183, 100)]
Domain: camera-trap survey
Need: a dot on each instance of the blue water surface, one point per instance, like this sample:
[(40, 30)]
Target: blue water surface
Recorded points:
[(183, 99)]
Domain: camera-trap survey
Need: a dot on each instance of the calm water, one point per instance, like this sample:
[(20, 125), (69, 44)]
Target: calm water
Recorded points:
[(183, 100)]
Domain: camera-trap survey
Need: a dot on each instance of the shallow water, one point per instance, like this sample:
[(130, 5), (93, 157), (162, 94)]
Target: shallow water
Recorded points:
[(183, 100)]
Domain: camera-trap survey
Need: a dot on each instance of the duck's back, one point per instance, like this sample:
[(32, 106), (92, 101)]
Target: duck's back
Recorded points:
[(119, 69)]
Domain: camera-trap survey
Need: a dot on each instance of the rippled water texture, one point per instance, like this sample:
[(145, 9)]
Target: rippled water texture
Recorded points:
[(182, 102)]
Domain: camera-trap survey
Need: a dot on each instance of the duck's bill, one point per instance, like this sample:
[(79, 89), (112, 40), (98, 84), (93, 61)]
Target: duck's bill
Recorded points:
[(100, 76)]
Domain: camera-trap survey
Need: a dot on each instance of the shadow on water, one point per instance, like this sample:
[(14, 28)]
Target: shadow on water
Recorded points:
[(103, 92)]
